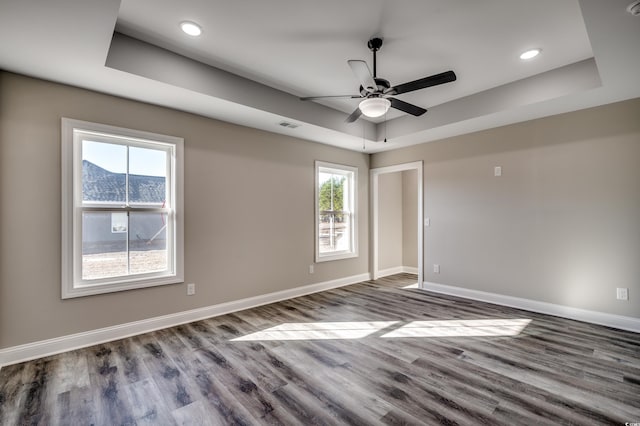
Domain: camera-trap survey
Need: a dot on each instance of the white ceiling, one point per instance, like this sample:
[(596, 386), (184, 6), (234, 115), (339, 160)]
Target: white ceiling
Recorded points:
[(255, 58)]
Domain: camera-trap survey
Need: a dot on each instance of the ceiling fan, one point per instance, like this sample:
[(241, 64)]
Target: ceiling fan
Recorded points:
[(377, 93)]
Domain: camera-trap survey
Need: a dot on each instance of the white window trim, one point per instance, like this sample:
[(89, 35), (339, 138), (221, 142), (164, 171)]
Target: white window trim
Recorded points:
[(70, 268), (354, 217)]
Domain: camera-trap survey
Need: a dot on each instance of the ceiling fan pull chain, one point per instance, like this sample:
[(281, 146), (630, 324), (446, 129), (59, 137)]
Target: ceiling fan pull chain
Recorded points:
[(385, 127), (363, 134)]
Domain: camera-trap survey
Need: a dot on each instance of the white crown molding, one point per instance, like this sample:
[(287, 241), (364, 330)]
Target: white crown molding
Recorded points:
[(594, 317), (29, 351)]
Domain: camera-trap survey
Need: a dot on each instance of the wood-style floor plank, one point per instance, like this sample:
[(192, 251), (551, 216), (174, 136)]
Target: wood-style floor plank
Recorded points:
[(372, 353)]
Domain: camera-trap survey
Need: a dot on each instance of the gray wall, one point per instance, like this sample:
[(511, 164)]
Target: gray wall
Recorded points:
[(562, 224), (397, 219), (410, 218), (389, 220), (235, 179)]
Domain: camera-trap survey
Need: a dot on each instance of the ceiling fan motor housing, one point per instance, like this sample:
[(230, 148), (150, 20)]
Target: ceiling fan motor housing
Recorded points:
[(375, 43), (382, 86)]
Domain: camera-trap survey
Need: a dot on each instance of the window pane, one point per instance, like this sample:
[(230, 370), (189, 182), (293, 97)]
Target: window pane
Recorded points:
[(334, 232), (104, 252), (104, 168), (147, 175), (331, 192), (147, 242)]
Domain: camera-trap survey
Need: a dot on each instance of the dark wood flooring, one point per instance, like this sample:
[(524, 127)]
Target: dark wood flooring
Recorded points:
[(366, 354)]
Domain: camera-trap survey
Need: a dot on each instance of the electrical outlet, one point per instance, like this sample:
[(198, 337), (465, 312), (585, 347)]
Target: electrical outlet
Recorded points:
[(436, 268), (427, 221), (191, 289), (311, 269), (497, 171), (622, 293)]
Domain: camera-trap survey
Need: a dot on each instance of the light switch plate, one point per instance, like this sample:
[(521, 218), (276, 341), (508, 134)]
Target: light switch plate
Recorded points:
[(622, 293)]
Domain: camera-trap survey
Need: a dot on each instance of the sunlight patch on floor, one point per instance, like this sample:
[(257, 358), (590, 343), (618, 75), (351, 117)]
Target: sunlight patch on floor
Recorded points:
[(414, 285), (318, 331), (359, 329), (461, 328)]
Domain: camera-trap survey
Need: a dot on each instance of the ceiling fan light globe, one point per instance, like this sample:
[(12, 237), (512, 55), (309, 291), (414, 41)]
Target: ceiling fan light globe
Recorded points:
[(374, 107)]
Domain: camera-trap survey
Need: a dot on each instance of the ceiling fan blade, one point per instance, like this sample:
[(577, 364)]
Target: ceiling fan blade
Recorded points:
[(407, 107), (312, 98), (354, 116), (362, 72), (434, 80)]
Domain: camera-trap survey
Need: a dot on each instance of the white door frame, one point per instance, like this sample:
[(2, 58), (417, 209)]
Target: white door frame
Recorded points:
[(374, 175)]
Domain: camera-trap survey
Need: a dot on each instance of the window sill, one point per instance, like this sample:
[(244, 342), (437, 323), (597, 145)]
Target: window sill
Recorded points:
[(336, 256), (94, 289)]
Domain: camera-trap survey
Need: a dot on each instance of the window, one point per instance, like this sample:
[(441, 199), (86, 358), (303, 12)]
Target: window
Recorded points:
[(335, 211), (121, 209)]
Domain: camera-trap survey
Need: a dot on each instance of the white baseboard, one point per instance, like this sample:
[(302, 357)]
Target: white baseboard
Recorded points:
[(397, 270), (410, 270), (16, 354), (602, 318)]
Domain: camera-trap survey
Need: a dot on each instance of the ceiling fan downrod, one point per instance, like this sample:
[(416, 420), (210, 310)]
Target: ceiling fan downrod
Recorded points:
[(374, 45)]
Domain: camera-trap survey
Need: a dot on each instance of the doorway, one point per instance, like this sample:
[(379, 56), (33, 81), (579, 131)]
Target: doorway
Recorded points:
[(378, 184)]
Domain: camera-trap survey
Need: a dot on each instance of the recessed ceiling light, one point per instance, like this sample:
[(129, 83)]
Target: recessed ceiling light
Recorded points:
[(191, 28), (530, 54)]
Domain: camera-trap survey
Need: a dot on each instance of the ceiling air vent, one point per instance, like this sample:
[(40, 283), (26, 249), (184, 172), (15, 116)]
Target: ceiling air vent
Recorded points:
[(289, 125), (634, 8)]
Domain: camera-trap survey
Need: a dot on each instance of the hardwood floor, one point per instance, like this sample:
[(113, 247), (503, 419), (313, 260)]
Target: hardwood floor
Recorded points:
[(370, 353)]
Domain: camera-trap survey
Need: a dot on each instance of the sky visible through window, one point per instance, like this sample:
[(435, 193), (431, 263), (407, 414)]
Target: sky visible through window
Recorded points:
[(112, 157), (323, 177)]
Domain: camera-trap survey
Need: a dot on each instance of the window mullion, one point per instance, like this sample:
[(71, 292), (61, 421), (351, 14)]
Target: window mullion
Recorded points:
[(128, 211)]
